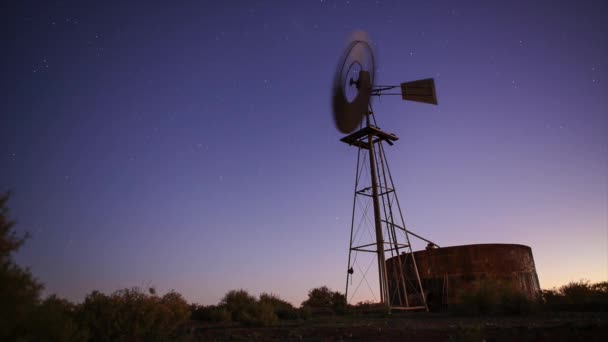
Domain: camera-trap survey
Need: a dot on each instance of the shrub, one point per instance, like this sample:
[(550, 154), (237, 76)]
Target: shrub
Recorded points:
[(211, 313), (319, 297), (338, 303), (282, 309), (305, 313), (244, 308), (323, 298), (97, 314), (172, 313), (55, 319), (367, 307), (262, 314), (240, 304), (577, 296), (221, 314), (130, 314)]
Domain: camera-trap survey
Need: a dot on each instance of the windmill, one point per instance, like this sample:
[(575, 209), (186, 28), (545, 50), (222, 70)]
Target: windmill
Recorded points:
[(354, 85)]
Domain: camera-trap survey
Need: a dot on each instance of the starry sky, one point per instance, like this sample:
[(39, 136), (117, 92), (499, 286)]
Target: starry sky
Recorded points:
[(190, 145)]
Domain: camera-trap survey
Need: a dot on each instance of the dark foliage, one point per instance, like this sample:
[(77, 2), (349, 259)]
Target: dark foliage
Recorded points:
[(210, 313), (127, 314), (135, 315), (283, 309), (239, 306), (323, 298), (577, 296), (244, 308), (19, 290), (56, 319), (131, 314)]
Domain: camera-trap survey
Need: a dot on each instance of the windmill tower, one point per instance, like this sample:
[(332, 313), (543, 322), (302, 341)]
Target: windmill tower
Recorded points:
[(382, 232)]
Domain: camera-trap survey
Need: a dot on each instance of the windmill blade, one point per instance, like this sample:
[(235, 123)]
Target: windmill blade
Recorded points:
[(348, 114), (360, 36), (352, 86), (419, 91)]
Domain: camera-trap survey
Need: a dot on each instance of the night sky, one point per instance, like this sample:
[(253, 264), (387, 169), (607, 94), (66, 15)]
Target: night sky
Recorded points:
[(191, 146)]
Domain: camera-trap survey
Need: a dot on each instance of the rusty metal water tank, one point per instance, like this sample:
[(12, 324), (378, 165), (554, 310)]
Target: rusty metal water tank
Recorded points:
[(445, 272)]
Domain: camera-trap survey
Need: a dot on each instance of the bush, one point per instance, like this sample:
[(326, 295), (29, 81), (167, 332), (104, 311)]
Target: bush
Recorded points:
[(283, 309), (56, 320), (577, 296), (240, 304), (130, 314), (173, 312), (262, 314), (323, 298), (211, 313), (320, 297), (305, 313), (244, 308), (367, 307)]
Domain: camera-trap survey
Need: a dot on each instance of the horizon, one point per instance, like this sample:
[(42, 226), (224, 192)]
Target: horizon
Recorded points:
[(193, 148)]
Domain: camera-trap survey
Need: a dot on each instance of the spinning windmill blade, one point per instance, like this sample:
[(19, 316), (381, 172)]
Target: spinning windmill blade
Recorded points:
[(352, 86)]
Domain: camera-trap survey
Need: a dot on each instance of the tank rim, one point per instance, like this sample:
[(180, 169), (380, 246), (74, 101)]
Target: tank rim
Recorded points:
[(477, 245)]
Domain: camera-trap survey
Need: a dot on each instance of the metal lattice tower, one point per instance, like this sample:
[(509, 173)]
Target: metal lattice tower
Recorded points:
[(402, 288)]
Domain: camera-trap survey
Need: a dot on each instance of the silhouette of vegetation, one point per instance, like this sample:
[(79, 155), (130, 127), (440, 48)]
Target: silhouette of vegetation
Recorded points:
[(136, 315), (210, 313), (323, 299), (240, 304), (241, 307), (577, 296), (19, 290), (56, 319), (366, 307), (282, 309), (248, 310), (490, 296)]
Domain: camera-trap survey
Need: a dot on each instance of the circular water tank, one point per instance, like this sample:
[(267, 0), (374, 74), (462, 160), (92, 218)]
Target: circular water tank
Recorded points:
[(445, 272)]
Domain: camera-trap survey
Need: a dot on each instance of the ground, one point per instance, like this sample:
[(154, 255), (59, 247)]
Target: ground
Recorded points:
[(421, 327)]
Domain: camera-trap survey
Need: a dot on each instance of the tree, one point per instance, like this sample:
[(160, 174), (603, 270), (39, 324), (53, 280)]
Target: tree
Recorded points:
[(19, 290)]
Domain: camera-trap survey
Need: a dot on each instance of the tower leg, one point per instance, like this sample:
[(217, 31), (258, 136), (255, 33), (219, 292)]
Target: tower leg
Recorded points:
[(384, 292)]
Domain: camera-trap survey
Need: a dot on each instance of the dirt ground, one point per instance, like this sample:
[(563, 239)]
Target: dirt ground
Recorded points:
[(421, 327)]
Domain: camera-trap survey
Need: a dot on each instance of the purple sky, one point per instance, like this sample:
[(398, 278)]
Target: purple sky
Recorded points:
[(191, 147)]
